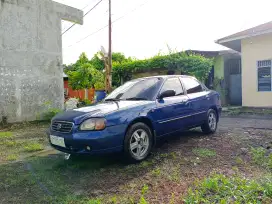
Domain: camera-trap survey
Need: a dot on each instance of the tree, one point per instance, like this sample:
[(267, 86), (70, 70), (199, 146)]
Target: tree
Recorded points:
[(83, 59)]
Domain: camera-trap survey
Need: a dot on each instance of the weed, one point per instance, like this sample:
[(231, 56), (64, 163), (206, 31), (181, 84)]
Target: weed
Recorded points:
[(173, 155), (175, 175), (96, 201), (203, 152), (173, 199), (156, 172), (221, 189), (12, 157), (144, 191), (4, 135), (146, 164), (33, 147), (142, 200), (238, 160), (114, 200)]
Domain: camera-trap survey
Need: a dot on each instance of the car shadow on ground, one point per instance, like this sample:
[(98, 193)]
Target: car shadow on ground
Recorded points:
[(53, 176)]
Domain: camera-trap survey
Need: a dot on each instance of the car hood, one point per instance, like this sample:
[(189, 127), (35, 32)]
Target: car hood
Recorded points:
[(97, 110)]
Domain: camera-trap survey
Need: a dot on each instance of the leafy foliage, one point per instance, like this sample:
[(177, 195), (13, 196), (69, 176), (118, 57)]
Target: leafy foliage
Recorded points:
[(123, 68), (188, 63), (221, 189)]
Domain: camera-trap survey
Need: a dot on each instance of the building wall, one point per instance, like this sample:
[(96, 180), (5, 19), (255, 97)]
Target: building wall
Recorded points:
[(31, 56), (254, 49)]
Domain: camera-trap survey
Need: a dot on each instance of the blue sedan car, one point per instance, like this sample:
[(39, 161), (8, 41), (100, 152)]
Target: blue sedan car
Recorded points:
[(135, 115)]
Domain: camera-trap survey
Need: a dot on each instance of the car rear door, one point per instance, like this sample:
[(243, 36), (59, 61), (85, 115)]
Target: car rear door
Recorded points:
[(198, 97), (171, 112)]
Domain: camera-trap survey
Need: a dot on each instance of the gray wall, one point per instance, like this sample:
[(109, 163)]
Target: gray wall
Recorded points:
[(31, 56)]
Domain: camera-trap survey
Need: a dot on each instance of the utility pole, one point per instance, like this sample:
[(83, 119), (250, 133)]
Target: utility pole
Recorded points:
[(109, 73)]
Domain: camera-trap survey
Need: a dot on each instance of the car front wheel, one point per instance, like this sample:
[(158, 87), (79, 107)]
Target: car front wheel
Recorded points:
[(210, 124), (138, 142)]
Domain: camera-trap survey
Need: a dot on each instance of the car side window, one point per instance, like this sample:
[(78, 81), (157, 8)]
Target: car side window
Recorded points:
[(191, 85), (173, 84)]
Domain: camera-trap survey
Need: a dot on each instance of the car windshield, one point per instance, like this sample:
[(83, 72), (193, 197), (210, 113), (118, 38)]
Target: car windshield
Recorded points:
[(143, 89)]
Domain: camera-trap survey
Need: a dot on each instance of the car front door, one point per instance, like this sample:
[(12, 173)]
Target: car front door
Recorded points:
[(198, 98), (171, 113)]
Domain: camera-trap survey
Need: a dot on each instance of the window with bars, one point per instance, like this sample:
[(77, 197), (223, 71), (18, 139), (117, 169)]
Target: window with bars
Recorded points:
[(264, 75)]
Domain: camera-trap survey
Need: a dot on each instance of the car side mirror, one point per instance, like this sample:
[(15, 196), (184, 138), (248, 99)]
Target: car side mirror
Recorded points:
[(167, 93)]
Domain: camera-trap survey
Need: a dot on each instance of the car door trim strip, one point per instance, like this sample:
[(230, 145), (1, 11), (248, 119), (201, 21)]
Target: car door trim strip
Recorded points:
[(186, 116)]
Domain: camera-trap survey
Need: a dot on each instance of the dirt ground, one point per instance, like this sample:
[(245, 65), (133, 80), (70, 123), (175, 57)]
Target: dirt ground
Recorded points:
[(43, 176)]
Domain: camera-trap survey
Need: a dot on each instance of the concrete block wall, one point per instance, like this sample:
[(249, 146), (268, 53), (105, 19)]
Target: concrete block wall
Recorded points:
[(31, 56)]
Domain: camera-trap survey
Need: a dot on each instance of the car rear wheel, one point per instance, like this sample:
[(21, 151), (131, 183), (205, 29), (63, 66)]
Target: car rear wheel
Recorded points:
[(210, 124), (138, 142)]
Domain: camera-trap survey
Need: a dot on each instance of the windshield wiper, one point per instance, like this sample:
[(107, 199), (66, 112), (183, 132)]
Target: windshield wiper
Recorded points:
[(136, 99), (112, 99)]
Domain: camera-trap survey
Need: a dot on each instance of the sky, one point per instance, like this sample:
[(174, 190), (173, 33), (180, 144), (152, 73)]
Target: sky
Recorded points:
[(148, 26)]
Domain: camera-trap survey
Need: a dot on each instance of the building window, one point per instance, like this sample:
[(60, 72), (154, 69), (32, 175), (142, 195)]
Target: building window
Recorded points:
[(264, 75)]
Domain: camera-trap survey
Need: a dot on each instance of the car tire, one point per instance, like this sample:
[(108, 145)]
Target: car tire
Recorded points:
[(138, 142), (210, 125)]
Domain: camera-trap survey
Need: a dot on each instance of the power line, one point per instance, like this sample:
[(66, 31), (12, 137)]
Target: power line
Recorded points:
[(83, 16), (112, 23)]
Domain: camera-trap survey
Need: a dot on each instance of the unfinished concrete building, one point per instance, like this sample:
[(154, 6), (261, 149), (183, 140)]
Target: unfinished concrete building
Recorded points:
[(31, 57)]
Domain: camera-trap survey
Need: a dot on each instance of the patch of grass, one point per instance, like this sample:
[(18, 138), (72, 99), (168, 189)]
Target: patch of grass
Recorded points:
[(4, 135), (12, 157), (33, 147), (203, 152), (259, 157), (175, 175), (221, 189), (234, 111), (9, 143), (146, 163)]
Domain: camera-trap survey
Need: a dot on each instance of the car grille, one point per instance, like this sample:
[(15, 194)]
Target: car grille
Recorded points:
[(62, 126)]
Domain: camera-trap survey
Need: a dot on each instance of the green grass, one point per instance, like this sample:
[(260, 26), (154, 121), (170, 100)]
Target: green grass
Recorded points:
[(203, 152), (33, 147), (9, 143), (259, 157), (221, 189), (12, 157), (4, 135)]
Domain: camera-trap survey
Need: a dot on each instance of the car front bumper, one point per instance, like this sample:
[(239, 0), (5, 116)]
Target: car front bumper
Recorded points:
[(108, 140)]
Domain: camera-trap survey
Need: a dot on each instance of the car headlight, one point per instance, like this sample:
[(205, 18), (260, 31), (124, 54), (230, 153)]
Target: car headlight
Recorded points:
[(93, 124)]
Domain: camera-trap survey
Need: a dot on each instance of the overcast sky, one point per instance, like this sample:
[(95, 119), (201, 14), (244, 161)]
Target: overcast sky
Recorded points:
[(149, 25)]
